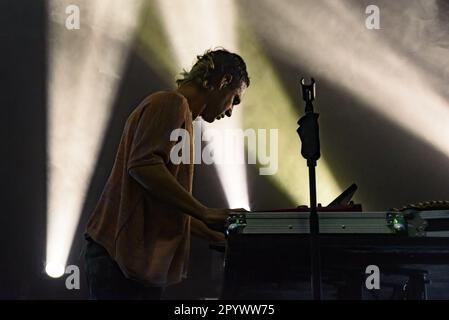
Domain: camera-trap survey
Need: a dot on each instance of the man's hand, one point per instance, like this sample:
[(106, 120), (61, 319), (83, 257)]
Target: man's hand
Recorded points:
[(216, 218), (211, 226), (212, 216)]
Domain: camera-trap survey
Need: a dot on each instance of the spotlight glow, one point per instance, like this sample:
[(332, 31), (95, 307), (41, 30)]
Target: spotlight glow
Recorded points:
[(267, 105), (84, 68), (190, 36), (54, 269)]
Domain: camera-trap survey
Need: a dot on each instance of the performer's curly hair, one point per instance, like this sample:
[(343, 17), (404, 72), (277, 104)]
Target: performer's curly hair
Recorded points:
[(212, 66)]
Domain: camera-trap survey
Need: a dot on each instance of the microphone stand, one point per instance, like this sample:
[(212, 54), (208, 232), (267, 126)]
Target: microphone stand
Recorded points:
[(310, 149)]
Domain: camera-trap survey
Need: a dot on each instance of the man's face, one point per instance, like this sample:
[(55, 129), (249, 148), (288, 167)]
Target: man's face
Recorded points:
[(220, 102)]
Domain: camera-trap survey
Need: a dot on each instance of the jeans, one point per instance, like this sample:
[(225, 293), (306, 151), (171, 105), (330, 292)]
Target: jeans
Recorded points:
[(107, 282)]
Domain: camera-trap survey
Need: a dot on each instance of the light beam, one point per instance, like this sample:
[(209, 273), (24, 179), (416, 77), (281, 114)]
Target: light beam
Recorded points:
[(85, 66), (193, 27)]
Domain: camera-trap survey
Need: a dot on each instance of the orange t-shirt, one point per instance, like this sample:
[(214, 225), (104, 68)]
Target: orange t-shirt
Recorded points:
[(148, 239)]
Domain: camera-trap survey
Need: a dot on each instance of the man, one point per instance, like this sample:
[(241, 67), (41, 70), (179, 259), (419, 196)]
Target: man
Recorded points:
[(139, 233)]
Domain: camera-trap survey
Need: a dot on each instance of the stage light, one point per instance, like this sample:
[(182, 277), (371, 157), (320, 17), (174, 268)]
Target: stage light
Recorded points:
[(267, 105), (189, 36), (330, 38), (84, 68), (153, 44), (54, 270)]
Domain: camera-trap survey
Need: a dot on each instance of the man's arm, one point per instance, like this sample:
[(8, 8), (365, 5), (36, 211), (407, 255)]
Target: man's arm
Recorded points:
[(159, 183), (199, 229)]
